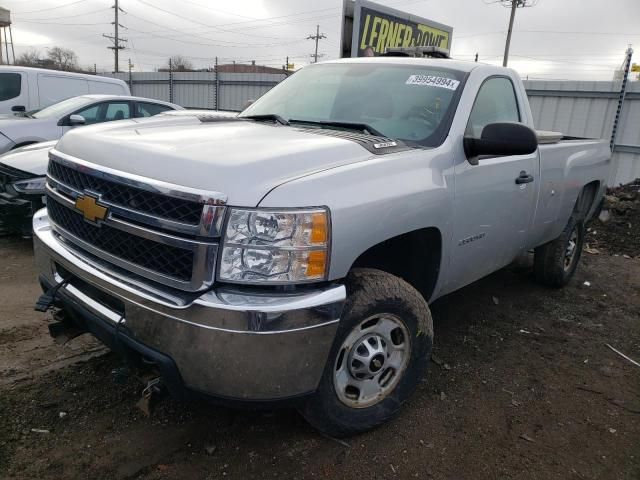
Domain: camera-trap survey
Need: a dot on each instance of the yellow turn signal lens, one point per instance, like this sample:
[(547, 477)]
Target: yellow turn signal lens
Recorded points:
[(319, 228), (316, 263)]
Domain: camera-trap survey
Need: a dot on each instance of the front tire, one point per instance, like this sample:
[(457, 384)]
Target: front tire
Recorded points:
[(379, 356)]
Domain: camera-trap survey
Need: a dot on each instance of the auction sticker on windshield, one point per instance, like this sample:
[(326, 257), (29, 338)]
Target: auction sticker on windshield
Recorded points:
[(433, 81)]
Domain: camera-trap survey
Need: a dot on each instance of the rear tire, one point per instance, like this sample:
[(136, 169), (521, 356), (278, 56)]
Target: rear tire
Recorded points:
[(556, 262), (380, 355)]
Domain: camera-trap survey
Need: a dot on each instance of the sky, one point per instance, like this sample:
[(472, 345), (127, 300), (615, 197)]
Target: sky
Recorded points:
[(555, 39)]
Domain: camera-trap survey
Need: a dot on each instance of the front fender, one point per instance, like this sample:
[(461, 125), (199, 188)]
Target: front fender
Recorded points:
[(375, 200)]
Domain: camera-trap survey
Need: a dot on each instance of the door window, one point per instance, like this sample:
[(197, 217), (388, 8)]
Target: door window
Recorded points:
[(151, 109), (496, 102), (117, 111), (10, 84), (91, 114)]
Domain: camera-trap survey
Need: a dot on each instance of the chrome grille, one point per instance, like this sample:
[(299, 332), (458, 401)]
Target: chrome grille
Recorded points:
[(165, 259), (127, 196), (163, 232)]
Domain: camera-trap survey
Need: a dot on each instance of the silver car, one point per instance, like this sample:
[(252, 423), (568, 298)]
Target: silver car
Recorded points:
[(52, 122)]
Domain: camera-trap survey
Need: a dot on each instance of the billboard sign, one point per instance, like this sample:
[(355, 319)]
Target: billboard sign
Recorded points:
[(368, 29)]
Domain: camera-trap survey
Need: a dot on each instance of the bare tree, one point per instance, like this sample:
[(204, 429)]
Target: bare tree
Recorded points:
[(62, 59), (29, 58), (181, 64)]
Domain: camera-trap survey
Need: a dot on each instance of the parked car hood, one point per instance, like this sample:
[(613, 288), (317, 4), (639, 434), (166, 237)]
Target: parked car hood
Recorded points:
[(242, 159), (32, 158)]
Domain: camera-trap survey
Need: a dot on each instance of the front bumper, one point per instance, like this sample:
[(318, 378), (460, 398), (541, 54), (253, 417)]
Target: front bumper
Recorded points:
[(238, 344)]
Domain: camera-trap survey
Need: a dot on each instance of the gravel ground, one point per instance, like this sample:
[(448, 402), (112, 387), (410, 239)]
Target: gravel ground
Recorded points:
[(522, 385)]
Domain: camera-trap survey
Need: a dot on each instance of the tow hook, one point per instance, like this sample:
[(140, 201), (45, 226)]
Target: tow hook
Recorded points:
[(152, 392)]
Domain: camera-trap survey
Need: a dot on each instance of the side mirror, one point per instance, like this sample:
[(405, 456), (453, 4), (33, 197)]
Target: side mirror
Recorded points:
[(18, 108), (501, 139), (75, 120)]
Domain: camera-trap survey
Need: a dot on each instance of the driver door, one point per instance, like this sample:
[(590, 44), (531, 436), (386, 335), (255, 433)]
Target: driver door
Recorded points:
[(492, 213)]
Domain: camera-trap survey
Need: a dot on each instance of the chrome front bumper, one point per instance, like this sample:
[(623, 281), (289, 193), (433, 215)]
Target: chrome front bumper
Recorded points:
[(226, 342)]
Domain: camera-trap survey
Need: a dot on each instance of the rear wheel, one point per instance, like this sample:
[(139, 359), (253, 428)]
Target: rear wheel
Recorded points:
[(379, 356), (556, 262)]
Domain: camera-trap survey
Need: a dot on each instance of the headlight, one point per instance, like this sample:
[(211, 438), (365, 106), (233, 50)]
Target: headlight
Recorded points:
[(277, 247), (30, 185)]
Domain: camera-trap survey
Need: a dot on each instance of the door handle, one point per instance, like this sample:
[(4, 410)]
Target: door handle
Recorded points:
[(524, 178)]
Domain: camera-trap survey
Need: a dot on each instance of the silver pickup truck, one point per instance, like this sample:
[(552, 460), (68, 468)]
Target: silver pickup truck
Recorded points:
[(290, 254)]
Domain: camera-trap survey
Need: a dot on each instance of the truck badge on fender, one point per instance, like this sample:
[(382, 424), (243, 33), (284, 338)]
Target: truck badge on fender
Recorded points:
[(90, 208), (472, 238)]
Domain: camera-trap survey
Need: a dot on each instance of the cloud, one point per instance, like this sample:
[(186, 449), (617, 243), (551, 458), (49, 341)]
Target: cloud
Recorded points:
[(568, 39)]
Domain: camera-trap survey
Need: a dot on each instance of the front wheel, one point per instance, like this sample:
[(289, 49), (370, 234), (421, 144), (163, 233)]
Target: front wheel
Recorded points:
[(379, 356)]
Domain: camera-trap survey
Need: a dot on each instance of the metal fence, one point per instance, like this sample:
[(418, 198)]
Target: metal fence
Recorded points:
[(581, 108), (588, 109), (222, 91)]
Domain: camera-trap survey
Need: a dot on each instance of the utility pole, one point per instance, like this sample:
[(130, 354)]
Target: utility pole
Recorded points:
[(513, 5), (130, 80), (318, 36), (116, 38)]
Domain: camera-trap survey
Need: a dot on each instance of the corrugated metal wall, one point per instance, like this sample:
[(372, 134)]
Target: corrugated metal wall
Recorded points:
[(587, 109), (198, 89), (581, 109)]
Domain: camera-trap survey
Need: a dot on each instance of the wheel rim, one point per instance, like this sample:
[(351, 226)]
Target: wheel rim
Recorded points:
[(371, 361), (570, 251)]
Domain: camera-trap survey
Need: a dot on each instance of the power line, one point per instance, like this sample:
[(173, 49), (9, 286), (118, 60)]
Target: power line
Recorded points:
[(228, 45), (270, 23), (206, 7), (581, 33), (231, 43), (198, 22), (68, 24), (318, 36), (30, 20), (50, 8)]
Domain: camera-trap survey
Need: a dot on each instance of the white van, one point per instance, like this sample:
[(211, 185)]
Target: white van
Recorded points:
[(24, 89)]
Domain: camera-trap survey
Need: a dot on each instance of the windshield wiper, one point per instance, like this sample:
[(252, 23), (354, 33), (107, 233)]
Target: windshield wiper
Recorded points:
[(267, 116), (362, 127)]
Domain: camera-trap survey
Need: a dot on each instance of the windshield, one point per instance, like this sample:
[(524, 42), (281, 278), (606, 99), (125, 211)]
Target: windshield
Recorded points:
[(404, 102), (61, 108)]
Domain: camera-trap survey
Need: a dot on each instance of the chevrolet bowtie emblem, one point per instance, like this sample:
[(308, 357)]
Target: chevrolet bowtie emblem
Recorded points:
[(90, 208)]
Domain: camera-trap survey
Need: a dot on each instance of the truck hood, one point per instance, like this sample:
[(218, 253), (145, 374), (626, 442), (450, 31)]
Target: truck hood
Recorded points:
[(32, 158), (241, 159)]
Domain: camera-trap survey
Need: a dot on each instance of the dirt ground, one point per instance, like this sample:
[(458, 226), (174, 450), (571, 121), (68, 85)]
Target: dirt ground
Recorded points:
[(522, 386), (617, 230)]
